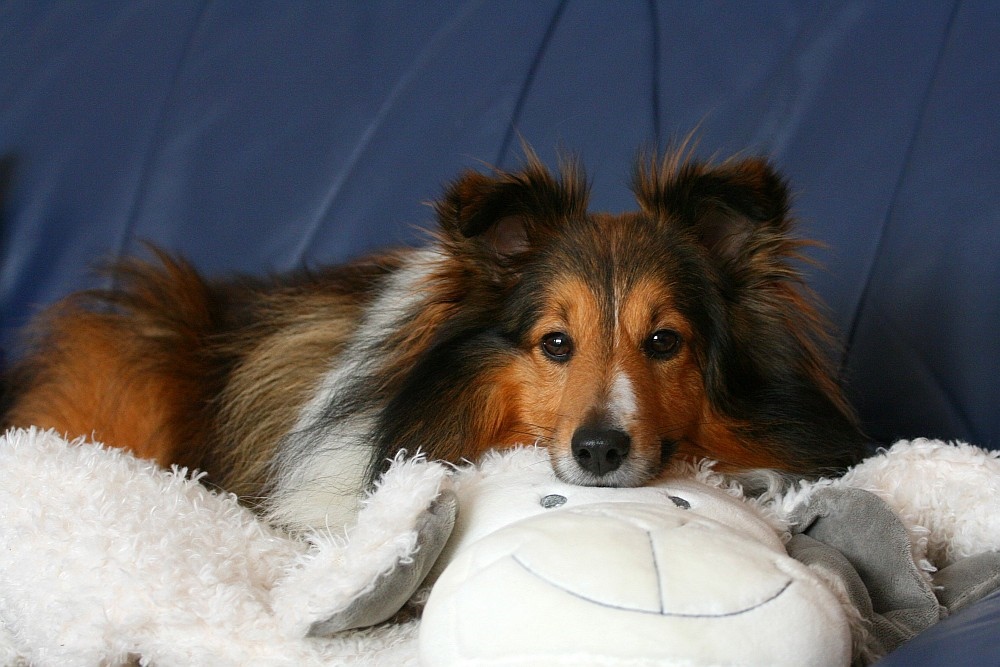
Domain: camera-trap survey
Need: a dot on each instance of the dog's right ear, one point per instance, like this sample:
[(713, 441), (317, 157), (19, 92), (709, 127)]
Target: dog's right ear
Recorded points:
[(499, 217)]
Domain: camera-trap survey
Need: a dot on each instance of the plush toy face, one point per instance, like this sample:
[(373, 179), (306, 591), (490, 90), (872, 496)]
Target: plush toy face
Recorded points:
[(542, 572)]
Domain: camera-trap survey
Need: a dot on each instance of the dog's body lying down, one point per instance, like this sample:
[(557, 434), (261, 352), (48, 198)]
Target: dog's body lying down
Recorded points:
[(616, 341)]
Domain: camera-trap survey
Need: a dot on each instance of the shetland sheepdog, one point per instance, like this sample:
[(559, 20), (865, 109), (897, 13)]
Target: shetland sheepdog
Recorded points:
[(617, 342)]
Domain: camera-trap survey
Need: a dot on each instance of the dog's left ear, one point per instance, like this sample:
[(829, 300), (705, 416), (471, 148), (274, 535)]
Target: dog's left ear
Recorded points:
[(736, 209), (504, 215)]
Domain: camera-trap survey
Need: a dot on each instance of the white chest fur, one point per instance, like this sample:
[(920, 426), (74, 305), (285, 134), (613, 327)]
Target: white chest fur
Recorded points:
[(323, 460)]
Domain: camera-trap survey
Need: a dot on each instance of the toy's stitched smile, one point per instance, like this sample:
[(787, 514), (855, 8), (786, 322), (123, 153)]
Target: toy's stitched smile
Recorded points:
[(785, 585)]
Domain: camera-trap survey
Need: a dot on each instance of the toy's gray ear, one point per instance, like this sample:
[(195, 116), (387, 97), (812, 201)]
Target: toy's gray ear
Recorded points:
[(394, 587), (856, 535)]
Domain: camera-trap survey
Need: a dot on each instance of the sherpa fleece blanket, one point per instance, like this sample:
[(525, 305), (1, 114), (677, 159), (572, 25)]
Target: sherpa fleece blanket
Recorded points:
[(105, 558)]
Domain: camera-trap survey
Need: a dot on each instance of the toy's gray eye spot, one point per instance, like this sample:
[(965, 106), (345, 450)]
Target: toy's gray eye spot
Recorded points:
[(553, 500), (680, 502)]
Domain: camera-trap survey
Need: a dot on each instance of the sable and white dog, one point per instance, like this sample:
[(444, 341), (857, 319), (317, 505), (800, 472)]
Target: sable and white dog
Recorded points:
[(616, 341)]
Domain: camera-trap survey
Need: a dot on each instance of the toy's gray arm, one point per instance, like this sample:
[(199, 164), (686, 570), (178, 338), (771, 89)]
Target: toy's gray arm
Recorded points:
[(397, 585)]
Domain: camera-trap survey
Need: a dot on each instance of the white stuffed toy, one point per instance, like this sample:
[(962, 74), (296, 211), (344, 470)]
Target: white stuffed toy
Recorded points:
[(104, 559), (540, 572), (689, 572)]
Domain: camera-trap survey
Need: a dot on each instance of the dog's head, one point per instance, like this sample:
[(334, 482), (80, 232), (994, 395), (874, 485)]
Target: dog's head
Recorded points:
[(677, 329)]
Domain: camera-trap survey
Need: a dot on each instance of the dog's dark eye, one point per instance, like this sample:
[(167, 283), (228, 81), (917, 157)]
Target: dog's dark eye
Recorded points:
[(557, 346), (663, 344)]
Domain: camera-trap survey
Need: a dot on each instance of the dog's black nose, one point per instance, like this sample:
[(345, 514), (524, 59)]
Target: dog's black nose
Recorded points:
[(600, 450)]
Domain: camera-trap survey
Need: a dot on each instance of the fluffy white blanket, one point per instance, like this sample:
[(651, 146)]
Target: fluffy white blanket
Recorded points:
[(104, 558)]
